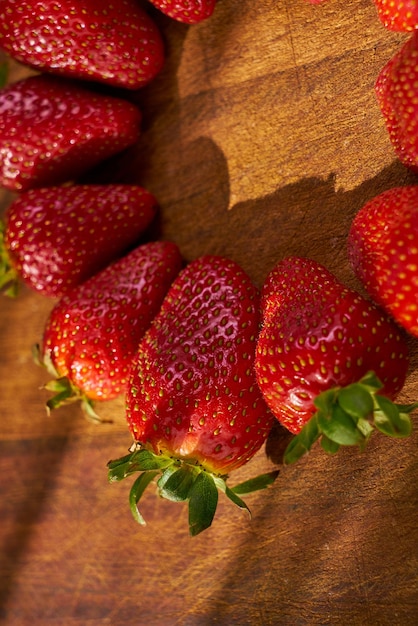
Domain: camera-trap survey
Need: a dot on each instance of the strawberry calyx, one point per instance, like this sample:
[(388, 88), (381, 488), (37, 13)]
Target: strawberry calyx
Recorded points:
[(179, 481), (348, 416), (62, 388), (66, 393), (8, 276)]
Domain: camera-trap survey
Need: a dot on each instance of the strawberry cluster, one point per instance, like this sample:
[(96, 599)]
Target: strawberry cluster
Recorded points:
[(207, 363)]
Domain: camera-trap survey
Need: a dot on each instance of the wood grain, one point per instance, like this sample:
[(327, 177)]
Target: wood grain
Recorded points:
[(261, 138)]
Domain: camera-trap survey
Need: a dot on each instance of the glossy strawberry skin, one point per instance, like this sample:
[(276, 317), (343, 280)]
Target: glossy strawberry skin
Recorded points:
[(192, 393), (93, 332), (186, 11), (398, 15), (113, 43), (53, 130), (57, 237), (383, 250), (318, 334), (396, 89)]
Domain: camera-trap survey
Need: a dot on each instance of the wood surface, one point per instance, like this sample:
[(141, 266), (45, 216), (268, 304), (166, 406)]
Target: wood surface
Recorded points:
[(261, 138)]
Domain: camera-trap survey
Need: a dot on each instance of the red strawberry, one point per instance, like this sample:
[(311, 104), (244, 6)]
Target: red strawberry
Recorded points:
[(397, 93), (52, 130), (187, 11), (383, 250), (317, 337), (93, 332), (398, 15), (193, 405), (115, 43), (57, 237)]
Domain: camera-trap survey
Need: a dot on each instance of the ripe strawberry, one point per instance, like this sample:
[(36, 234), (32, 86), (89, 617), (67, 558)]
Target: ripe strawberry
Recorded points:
[(93, 332), (187, 11), (383, 251), (193, 405), (397, 93), (398, 15), (317, 337), (116, 43), (57, 237), (52, 130)]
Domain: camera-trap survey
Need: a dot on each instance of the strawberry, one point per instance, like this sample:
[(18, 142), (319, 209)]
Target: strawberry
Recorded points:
[(397, 94), (319, 343), (398, 15), (52, 130), (93, 332), (383, 251), (115, 43), (57, 237), (193, 405), (187, 11)]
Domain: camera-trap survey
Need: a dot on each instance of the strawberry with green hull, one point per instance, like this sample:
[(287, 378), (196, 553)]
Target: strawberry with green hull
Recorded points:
[(383, 250), (93, 332), (398, 15), (53, 130), (57, 237), (186, 11), (329, 363), (396, 90), (193, 405), (113, 43)]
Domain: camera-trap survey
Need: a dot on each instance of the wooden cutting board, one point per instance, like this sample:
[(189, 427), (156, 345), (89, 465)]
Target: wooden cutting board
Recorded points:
[(261, 138)]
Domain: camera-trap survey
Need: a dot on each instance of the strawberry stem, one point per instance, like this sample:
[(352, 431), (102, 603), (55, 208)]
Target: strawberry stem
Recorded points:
[(180, 481), (348, 416)]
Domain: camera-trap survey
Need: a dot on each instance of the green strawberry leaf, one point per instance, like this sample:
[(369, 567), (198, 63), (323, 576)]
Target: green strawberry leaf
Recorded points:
[(178, 484), (330, 447), (407, 408), (44, 361), (365, 427), (135, 494), (255, 484), (302, 442), (234, 497), (326, 400), (371, 382), (389, 420), (356, 401), (87, 407), (137, 461), (63, 393), (339, 427), (203, 501), (230, 493), (166, 475)]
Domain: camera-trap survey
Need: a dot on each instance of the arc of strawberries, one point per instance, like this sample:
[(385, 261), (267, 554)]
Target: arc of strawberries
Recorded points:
[(203, 383)]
